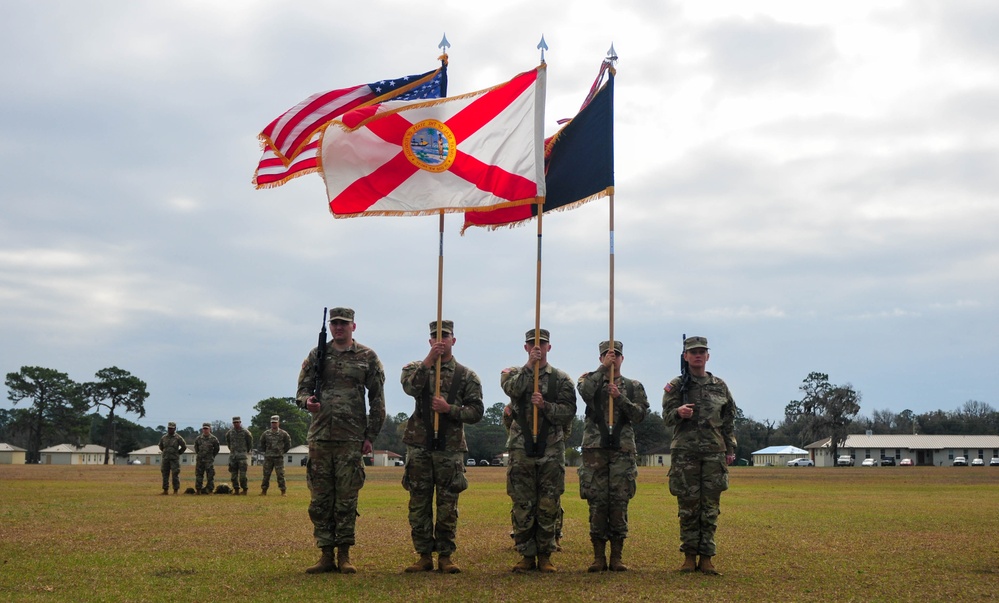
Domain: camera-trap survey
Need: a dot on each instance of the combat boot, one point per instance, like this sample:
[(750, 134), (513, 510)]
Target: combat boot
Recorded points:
[(175, 490), (446, 566), (325, 563), (599, 558), (689, 563), (707, 567), (245, 491), (282, 491), (424, 564), (263, 492), (525, 565), (165, 491), (545, 564), (235, 491), (617, 549), (343, 560)]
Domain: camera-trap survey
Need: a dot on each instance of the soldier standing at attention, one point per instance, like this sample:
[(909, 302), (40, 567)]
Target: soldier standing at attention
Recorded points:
[(274, 443), (206, 446), (535, 480), (434, 460), (607, 477), (339, 436), (702, 415), (240, 443), (172, 445)]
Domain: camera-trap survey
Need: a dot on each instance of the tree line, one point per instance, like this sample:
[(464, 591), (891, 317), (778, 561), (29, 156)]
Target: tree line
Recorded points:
[(58, 410)]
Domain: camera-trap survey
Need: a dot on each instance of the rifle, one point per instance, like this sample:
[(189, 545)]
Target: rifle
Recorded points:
[(684, 371), (317, 388)]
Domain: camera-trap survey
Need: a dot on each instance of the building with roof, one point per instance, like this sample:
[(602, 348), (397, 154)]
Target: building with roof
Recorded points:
[(657, 457), (152, 455), (67, 454), (383, 458), (778, 456), (11, 455), (297, 455), (936, 450)]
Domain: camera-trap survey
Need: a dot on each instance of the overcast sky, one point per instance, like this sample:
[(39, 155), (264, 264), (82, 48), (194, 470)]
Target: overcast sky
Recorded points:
[(810, 185)]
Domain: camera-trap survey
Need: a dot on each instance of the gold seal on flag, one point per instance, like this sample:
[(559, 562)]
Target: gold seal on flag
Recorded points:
[(429, 145)]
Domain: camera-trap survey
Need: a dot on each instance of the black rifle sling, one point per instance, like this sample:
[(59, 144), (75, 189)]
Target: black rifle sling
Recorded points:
[(531, 448), (610, 439), (424, 408)]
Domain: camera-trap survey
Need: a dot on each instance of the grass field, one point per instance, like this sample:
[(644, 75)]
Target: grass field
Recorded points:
[(786, 535)]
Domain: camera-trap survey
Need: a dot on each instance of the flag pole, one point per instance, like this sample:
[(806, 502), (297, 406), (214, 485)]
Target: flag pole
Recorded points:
[(611, 57), (542, 46), (440, 299)]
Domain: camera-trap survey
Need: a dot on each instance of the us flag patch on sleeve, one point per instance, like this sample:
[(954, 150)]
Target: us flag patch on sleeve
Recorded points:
[(668, 388)]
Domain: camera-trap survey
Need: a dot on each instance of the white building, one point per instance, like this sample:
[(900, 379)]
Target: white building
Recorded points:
[(11, 455), (67, 454), (778, 456), (297, 456), (384, 458), (936, 450)]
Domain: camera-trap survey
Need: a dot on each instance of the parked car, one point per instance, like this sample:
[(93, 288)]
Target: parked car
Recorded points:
[(869, 463), (887, 462), (136, 462), (844, 461), (470, 462), (994, 462), (905, 463), (977, 462), (960, 461), (399, 463), (800, 463)]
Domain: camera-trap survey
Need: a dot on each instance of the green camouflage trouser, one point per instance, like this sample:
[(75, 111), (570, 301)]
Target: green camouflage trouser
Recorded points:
[(237, 473), (697, 481), (335, 475), (607, 481), (170, 467), (205, 466), (535, 486), (273, 463), (427, 472)]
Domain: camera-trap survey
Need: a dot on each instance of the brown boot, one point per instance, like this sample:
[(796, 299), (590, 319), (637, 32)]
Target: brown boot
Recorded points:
[(446, 566), (525, 565), (689, 563), (545, 564), (282, 491), (343, 560), (175, 490), (235, 491), (617, 549), (263, 492), (325, 563), (707, 567), (245, 491), (599, 557), (165, 491), (424, 564)]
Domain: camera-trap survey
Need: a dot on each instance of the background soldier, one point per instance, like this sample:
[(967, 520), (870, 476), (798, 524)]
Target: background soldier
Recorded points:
[(435, 463), (172, 445), (274, 443), (339, 436), (607, 477), (240, 443), (206, 446), (702, 415), (535, 480)]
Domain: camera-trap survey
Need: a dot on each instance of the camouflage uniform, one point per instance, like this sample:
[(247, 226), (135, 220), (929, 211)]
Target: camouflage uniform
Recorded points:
[(274, 443), (206, 447), (698, 473), (436, 464), (240, 443), (535, 477), (607, 477), (335, 470), (172, 446)]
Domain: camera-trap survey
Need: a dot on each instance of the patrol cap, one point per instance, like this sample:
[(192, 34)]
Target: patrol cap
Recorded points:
[(605, 345), (529, 336), (341, 314), (171, 425), (236, 420), (691, 343), (447, 327), (275, 419), (206, 425)]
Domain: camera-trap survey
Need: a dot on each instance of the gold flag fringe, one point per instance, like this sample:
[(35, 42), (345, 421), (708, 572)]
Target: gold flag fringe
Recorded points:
[(284, 180), (604, 193)]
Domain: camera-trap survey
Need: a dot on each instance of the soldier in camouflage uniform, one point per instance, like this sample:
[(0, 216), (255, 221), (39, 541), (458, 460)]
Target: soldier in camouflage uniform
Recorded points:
[(434, 461), (274, 444), (607, 477), (206, 446), (172, 445), (703, 422), (535, 478), (339, 436), (240, 443)]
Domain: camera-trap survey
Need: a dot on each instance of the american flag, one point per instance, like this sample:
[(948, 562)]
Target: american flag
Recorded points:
[(288, 141)]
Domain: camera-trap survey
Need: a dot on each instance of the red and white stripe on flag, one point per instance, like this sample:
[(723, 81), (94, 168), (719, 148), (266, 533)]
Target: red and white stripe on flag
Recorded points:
[(271, 171), (474, 152), (290, 132)]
